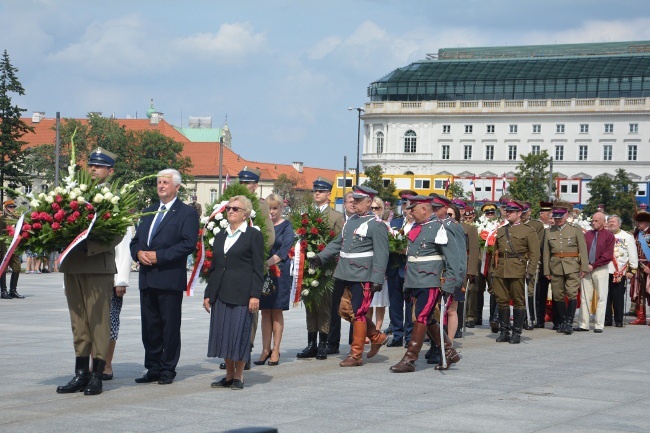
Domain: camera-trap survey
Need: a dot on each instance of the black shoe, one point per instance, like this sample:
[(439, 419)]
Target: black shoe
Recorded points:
[(395, 343), (471, 324), (608, 323), (223, 383), (94, 386), (148, 378), (311, 350), (598, 331), (321, 350), (80, 380), (247, 366), (106, 376), (580, 330), (5, 295), (619, 325), (630, 314), (332, 349), (436, 356), (237, 385), (165, 380), (459, 333), (222, 366), (45, 271), (262, 361), (14, 294)]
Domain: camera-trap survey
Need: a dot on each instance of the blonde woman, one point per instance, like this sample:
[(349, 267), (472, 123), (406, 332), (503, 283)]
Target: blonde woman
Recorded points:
[(381, 300)]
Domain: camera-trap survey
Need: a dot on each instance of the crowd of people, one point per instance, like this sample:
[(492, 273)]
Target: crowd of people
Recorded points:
[(535, 271)]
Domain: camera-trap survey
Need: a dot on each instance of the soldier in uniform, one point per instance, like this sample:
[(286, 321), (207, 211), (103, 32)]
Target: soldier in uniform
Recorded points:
[(196, 206), (515, 262), (88, 275), (432, 252), (565, 263), (471, 235), (362, 247), (639, 283), (489, 211), (318, 319), (541, 291), (539, 228), (14, 261)]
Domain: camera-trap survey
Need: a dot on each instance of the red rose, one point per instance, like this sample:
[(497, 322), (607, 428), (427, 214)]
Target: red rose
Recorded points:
[(314, 231), (59, 216), (332, 233), (11, 230), (76, 214), (303, 244), (91, 216), (305, 222), (43, 216), (106, 216), (207, 264), (292, 252), (55, 207), (36, 216), (27, 227), (37, 226), (321, 247), (74, 205), (89, 206), (56, 226), (71, 219), (24, 235), (58, 198), (301, 231), (319, 220), (208, 254)]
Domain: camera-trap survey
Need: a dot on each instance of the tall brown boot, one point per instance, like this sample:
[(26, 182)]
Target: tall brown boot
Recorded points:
[(407, 364), (451, 355), (356, 348), (640, 314), (376, 337)]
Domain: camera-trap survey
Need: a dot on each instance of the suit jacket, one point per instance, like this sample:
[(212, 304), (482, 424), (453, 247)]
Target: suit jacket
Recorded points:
[(236, 276), (568, 240), (175, 239)]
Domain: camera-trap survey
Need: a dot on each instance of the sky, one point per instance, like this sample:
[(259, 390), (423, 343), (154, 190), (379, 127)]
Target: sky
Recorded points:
[(282, 72)]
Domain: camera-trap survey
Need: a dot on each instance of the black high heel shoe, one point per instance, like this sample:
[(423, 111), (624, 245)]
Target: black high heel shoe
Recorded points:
[(263, 361), (272, 363)]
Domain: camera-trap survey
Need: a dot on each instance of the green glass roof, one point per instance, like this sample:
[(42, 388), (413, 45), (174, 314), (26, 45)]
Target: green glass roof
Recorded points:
[(201, 135)]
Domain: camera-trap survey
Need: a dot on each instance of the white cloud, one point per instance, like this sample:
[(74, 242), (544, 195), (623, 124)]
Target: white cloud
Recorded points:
[(324, 47), (594, 31)]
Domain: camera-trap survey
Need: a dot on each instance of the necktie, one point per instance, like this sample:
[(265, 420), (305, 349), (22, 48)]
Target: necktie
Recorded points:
[(414, 232), (156, 222), (592, 250)]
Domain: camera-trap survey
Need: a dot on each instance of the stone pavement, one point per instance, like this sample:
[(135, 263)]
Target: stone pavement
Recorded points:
[(550, 383)]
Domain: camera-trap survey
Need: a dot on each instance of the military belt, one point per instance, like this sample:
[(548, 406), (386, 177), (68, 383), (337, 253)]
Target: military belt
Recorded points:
[(508, 255), (356, 255), (413, 259), (562, 255)]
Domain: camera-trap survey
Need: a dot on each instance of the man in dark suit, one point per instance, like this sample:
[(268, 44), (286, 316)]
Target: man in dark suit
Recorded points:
[(161, 246)]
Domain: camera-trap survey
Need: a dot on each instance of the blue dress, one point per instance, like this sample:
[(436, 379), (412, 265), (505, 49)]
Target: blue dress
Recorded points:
[(284, 240)]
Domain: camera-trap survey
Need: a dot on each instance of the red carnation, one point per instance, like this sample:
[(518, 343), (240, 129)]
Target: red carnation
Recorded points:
[(74, 205), (56, 226), (208, 254), (91, 216), (71, 219), (106, 216), (11, 230), (319, 220), (207, 264), (303, 244), (58, 198), (89, 206), (301, 231), (76, 214), (43, 216), (305, 221), (59, 216), (37, 226), (24, 235), (27, 227), (321, 247), (36, 216), (314, 231), (332, 233), (55, 207), (200, 232), (292, 252)]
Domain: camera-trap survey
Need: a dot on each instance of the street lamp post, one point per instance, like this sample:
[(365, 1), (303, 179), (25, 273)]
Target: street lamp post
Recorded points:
[(221, 162), (359, 110)]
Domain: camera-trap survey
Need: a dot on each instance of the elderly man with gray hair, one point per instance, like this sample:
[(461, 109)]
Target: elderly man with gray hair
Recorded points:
[(623, 266)]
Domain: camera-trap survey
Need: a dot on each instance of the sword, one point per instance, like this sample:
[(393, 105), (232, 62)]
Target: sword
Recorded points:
[(526, 298), (465, 305), (443, 357), (627, 283)]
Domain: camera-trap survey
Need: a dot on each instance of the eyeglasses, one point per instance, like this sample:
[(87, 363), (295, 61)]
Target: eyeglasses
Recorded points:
[(375, 207), (233, 208), (451, 214)]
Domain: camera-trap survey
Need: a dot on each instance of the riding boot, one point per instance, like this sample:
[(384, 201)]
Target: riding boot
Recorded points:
[(311, 350), (494, 320), (94, 386), (640, 314), (517, 323), (504, 325), (461, 320), (80, 379), (559, 316), (376, 337), (571, 311), (359, 331), (321, 352), (13, 286), (3, 286), (407, 364), (451, 356)]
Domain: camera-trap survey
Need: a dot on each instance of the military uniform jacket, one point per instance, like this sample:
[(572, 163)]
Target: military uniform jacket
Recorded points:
[(423, 273), (335, 219), (568, 240), (90, 257), (363, 249), (456, 233), (525, 256), (471, 233)]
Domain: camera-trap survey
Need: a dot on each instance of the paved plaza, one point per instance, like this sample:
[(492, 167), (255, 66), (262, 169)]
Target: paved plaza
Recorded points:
[(549, 383)]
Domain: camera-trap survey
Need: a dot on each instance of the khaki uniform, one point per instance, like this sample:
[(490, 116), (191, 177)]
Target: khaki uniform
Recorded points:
[(473, 268), (565, 256)]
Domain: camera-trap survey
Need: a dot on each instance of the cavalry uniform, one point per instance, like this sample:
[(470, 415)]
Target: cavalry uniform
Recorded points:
[(565, 256), (432, 253), (516, 259), (638, 291), (14, 261), (362, 247)]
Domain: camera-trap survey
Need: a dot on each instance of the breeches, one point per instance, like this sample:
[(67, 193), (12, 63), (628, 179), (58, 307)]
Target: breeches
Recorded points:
[(355, 301), (318, 318), (506, 289), (424, 301), (565, 284)]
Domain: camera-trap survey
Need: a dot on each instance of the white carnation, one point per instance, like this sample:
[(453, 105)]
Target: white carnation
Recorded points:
[(108, 195), (211, 241), (105, 190), (34, 203), (305, 292), (216, 230), (77, 191), (311, 271), (223, 224), (49, 199), (310, 254), (253, 213), (115, 199), (72, 195), (218, 216), (314, 283), (98, 198), (83, 187), (210, 225), (80, 199), (204, 219)]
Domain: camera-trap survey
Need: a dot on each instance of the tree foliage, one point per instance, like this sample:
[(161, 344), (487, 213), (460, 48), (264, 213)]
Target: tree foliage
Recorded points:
[(531, 180), (617, 195), (375, 181), (291, 188), (13, 157), (456, 190)]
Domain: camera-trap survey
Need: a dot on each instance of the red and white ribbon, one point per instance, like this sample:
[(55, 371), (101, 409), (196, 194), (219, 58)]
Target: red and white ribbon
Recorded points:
[(298, 270), (14, 244), (80, 238)]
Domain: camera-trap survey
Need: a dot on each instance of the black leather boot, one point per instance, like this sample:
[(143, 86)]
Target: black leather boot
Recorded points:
[(80, 380), (321, 351), (94, 386), (434, 354), (13, 286), (310, 351), (560, 309), (504, 325), (517, 323), (494, 317), (570, 312), (3, 286)]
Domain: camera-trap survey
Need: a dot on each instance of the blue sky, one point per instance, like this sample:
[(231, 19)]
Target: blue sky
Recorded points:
[(283, 71)]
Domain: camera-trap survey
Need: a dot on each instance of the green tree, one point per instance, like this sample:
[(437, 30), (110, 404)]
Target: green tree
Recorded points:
[(13, 167), (457, 191), (531, 180), (375, 181), (291, 188), (617, 195)]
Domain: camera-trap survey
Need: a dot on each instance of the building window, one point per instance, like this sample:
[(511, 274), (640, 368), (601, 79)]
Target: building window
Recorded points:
[(422, 183), (445, 151), (574, 188), (535, 149), (634, 128), (489, 152), (386, 182), (28, 189), (582, 152), (537, 129), (439, 183), (468, 129), (410, 141), (609, 128), (559, 128), (467, 152), (446, 129), (348, 182), (380, 142), (559, 152), (512, 152), (631, 152), (564, 188), (584, 128), (490, 129), (44, 188), (641, 191), (214, 194), (607, 152), (513, 129)]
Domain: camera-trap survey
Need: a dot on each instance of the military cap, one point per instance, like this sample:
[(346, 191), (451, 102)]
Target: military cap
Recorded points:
[(469, 210), (440, 200), (545, 206), (561, 208), (460, 204), (489, 208), (322, 184), (642, 217), (515, 205), (418, 199), (102, 157), (359, 192), (405, 193), (505, 198), (527, 205), (249, 175)]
